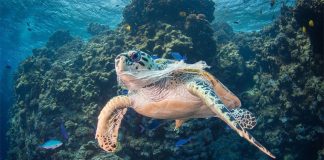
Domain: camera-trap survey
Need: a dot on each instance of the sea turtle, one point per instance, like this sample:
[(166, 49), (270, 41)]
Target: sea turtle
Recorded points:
[(169, 89)]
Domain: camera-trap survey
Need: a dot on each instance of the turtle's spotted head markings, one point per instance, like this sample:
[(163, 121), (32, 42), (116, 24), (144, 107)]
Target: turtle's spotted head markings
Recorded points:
[(134, 61)]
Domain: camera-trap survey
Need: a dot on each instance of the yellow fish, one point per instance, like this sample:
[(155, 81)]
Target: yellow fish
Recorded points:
[(304, 29), (127, 27), (311, 23), (182, 14)]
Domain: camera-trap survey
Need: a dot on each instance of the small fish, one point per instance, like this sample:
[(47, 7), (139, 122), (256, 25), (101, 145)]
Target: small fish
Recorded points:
[(28, 24), (51, 144), (117, 5), (182, 142), (8, 66), (64, 133), (182, 14), (142, 128), (154, 57), (127, 27), (122, 91), (236, 22), (311, 23), (272, 3), (178, 56), (304, 29), (29, 29)]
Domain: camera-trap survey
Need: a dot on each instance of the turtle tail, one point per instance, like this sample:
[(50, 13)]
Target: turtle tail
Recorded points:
[(109, 121)]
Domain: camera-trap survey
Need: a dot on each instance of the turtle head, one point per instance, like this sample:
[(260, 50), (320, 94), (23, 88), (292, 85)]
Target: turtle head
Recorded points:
[(134, 61)]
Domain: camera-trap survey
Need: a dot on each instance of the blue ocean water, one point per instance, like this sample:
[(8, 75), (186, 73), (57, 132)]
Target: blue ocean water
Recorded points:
[(27, 24), (251, 15)]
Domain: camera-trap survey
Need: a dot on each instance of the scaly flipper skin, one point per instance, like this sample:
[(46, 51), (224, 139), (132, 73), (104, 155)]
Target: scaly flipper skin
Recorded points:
[(230, 100), (109, 121), (244, 117), (204, 90), (226, 96)]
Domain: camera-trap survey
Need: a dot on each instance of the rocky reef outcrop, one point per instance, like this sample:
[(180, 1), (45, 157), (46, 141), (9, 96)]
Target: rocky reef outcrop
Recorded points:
[(288, 85), (275, 73), (142, 12), (96, 28), (312, 10), (189, 17)]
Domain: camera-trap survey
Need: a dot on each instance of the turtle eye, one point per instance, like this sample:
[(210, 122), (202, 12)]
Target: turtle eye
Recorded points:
[(135, 56)]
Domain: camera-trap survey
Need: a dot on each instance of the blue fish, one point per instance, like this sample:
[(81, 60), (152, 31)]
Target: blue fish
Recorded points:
[(154, 57), (178, 56), (63, 131), (122, 91), (51, 144), (142, 128), (182, 142), (8, 66)]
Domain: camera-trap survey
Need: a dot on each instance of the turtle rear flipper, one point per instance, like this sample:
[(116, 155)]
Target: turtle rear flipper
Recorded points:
[(244, 117), (109, 121), (203, 90)]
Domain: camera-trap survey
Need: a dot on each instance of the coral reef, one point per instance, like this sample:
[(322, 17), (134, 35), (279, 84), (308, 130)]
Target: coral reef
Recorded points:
[(58, 39), (275, 73), (189, 17), (307, 10), (95, 28), (52, 86), (201, 32), (223, 32), (286, 65), (168, 11), (161, 39)]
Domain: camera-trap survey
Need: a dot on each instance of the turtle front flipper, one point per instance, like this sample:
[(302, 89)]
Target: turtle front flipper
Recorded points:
[(109, 121), (204, 90), (230, 100)]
